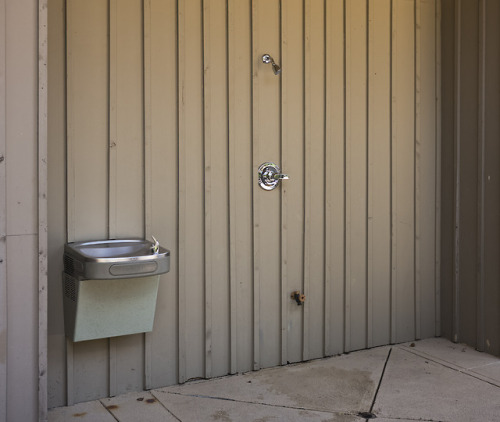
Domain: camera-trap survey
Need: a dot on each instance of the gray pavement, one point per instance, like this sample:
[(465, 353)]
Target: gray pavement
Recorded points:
[(428, 380)]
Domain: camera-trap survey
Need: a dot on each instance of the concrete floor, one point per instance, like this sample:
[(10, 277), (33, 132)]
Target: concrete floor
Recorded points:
[(429, 380)]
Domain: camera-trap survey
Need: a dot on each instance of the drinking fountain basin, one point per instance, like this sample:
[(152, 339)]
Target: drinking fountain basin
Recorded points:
[(112, 259)]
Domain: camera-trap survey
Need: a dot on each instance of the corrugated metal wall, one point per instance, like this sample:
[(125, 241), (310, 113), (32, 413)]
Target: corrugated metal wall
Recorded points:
[(471, 153), (170, 111)]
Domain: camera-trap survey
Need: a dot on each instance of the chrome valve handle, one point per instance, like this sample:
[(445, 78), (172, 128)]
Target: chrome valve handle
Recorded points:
[(270, 175)]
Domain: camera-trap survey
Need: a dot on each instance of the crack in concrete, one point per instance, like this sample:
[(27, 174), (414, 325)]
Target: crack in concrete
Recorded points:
[(165, 407), (451, 366), (108, 410), (202, 396)]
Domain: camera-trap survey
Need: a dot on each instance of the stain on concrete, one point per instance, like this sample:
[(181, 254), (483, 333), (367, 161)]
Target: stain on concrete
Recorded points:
[(221, 415), (79, 415), (324, 388), (112, 407)]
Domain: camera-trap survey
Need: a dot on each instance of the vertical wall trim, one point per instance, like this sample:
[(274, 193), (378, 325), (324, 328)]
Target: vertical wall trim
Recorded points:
[(417, 166), (148, 167), (181, 28), (437, 173), (456, 219), (481, 174), (207, 159), (3, 222), (255, 200), (112, 169), (307, 173), (42, 209)]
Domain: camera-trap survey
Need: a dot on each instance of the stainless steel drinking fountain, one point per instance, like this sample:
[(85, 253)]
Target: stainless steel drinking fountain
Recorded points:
[(111, 286)]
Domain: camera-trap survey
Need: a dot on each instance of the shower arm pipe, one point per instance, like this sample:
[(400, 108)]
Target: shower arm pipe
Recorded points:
[(266, 58)]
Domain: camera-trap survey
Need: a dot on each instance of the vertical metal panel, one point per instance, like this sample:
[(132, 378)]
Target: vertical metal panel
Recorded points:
[(191, 194), (447, 167), (481, 176), (403, 170), (314, 235), (22, 328), (379, 176), (87, 169), (217, 289), (56, 201), (335, 172), (426, 165), (292, 152), (148, 177), (418, 187), (356, 173), (3, 222), (468, 168), (492, 172), (182, 189), (42, 208), (267, 215), (161, 132), (126, 166), (437, 170), (241, 182), (112, 154), (21, 114), (456, 187)]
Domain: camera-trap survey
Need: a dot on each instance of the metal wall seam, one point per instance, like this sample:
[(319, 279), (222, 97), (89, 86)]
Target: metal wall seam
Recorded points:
[(369, 193), (328, 194), (112, 168), (148, 167), (284, 197), (70, 189), (207, 151), (183, 167), (417, 168), (3, 213), (456, 217), (232, 172), (347, 226), (307, 174), (255, 196), (437, 173), (393, 195)]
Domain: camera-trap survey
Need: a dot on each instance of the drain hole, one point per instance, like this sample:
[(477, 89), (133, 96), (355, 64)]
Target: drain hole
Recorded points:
[(367, 415)]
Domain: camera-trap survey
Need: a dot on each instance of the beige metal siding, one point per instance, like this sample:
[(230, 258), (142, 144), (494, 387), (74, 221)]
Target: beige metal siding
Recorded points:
[(22, 362), (170, 113), (470, 268)]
